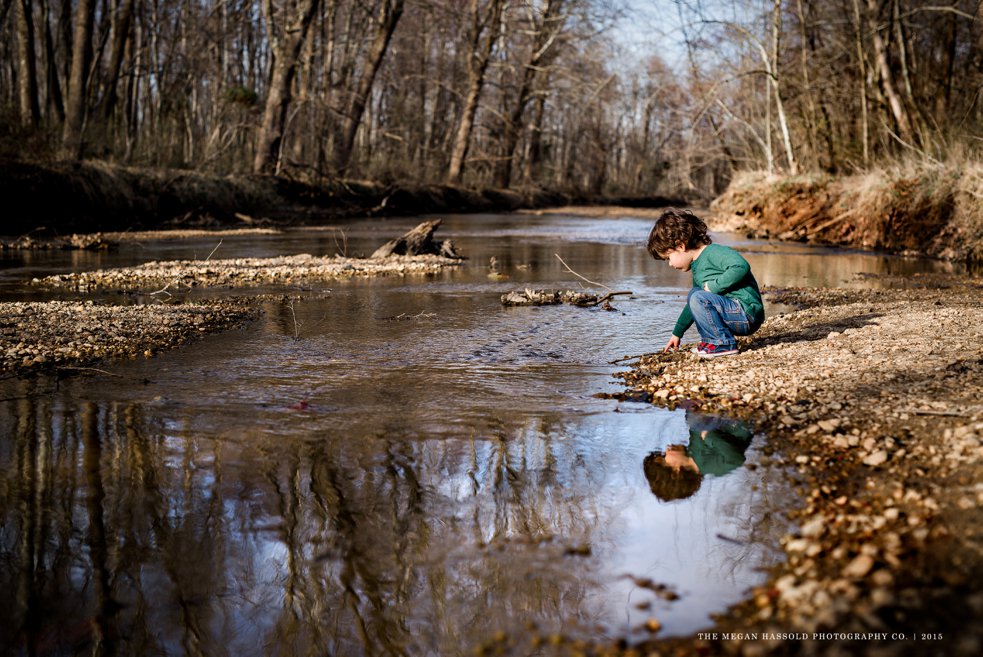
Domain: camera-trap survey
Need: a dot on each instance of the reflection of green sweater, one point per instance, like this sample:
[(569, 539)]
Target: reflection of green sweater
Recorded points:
[(717, 446), (727, 273)]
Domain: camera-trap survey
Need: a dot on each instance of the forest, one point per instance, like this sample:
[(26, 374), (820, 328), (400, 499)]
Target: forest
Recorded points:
[(513, 94)]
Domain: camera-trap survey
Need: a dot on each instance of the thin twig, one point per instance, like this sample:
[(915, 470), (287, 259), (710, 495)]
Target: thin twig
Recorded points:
[(88, 369), (928, 411), (624, 358), (214, 250), (296, 326), (581, 277), (610, 295)]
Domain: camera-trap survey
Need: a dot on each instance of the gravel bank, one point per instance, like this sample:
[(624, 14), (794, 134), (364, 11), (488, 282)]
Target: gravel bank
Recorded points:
[(244, 272), (64, 335), (873, 401)]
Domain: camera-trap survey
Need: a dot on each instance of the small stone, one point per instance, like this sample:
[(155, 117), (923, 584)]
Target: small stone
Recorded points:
[(814, 527), (859, 567), (876, 459)]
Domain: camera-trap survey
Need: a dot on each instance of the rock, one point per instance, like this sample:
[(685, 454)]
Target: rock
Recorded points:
[(876, 459), (859, 567), (813, 528)]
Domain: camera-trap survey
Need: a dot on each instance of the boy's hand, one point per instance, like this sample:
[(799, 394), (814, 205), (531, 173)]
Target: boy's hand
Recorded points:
[(672, 345), (706, 286)]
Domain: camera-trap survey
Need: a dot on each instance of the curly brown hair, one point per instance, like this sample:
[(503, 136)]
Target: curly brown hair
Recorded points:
[(668, 483), (675, 227)]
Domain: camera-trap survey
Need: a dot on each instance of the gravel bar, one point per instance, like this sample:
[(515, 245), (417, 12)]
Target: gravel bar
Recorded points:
[(65, 335), (244, 272), (872, 400)]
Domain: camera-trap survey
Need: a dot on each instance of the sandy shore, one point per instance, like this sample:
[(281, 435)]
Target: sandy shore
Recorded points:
[(873, 400)]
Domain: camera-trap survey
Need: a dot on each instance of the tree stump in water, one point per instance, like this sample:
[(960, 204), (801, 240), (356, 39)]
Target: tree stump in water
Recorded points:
[(418, 241)]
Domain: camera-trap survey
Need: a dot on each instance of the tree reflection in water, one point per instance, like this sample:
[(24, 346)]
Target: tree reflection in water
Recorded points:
[(131, 531), (124, 532)]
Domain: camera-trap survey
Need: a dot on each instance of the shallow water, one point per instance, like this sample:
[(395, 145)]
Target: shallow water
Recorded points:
[(387, 466)]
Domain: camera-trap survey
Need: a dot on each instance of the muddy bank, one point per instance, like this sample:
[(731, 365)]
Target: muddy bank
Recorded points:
[(872, 401), (74, 336), (925, 210), (59, 199)]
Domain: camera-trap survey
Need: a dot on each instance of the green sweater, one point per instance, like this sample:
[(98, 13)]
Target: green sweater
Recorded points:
[(728, 274), (717, 451)]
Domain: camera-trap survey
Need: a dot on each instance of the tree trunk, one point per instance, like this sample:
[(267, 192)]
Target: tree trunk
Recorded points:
[(897, 108), (27, 79), (535, 155), (4, 8), (348, 123), (776, 31), (286, 52), (71, 139), (484, 35), (548, 28), (418, 241), (55, 102), (121, 33), (862, 64)]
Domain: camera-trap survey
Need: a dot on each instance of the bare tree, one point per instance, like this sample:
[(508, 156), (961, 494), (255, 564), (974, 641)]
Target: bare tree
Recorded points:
[(546, 25), (30, 112), (483, 34), (350, 115), (75, 107), (286, 47)]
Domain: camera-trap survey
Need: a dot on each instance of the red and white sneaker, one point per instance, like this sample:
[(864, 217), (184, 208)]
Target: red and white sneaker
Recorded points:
[(707, 350)]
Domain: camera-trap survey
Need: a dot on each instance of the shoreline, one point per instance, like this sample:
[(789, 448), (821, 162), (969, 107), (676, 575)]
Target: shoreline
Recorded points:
[(873, 399)]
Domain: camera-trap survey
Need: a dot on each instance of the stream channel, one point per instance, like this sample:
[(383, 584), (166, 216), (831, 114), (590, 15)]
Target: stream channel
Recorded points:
[(385, 466)]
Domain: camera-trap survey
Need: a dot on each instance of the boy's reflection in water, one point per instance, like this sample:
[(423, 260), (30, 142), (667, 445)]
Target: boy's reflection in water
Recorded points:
[(716, 446)]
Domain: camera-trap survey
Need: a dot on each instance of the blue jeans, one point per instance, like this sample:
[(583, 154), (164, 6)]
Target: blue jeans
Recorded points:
[(718, 319)]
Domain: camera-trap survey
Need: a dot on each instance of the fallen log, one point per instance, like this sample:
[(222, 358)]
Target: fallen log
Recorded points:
[(529, 297), (418, 241)]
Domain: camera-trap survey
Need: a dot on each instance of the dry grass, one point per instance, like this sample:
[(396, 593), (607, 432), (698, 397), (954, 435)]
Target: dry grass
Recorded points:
[(913, 205)]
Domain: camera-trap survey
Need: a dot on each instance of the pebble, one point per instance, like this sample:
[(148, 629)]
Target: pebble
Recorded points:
[(859, 567), (877, 458)]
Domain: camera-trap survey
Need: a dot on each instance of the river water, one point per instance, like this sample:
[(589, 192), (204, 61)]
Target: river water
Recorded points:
[(384, 467)]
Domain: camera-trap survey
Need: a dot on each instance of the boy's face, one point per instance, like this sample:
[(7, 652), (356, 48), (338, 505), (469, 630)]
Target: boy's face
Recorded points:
[(679, 258), (676, 458)]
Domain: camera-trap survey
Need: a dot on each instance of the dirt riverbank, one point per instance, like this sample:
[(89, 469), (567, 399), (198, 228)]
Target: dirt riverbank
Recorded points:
[(58, 199), (873, 399), (928, 209)]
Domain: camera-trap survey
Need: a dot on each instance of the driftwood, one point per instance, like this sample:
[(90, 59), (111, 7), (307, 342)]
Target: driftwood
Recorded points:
[(529, 297), (418, 241)]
